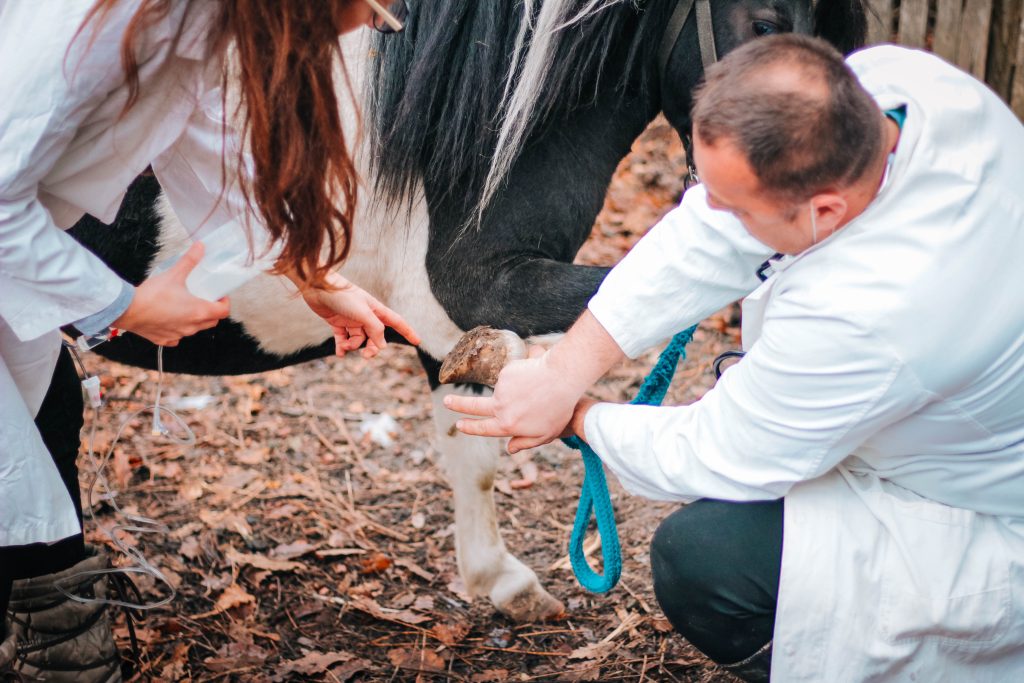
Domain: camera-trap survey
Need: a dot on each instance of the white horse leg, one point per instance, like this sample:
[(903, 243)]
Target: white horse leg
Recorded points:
[(470, 463)]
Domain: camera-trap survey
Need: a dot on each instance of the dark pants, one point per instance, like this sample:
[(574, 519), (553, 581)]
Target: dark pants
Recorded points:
[(716, 570), (60, 423)]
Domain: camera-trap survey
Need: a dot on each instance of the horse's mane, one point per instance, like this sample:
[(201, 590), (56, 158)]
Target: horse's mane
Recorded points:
[(454, 98), (442, 93)]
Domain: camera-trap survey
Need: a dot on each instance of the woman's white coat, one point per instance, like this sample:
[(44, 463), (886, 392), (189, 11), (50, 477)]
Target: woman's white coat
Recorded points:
[(67, 148)]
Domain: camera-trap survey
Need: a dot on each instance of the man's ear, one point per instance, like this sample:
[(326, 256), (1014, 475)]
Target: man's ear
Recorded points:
[(830, 212)]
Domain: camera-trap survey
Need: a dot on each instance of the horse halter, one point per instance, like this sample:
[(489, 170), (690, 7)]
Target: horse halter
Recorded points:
[(674, 27), (708, 56)]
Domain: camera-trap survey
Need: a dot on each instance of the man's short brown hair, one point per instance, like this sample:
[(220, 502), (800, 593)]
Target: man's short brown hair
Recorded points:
[(795, 110)]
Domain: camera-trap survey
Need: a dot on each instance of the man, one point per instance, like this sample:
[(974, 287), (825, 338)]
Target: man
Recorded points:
[(876, 422)]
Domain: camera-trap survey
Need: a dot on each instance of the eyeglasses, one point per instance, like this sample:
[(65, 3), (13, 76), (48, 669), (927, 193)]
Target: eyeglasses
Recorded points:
[(389, 17)]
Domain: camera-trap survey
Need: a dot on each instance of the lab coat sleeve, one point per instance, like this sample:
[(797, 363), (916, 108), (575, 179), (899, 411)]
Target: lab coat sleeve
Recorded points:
[(204, 193), (810, 390), (99, 322), (692, 263), (46, 278)]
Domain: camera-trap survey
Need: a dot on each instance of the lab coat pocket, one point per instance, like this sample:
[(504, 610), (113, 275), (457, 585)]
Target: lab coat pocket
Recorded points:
[(947, 575)]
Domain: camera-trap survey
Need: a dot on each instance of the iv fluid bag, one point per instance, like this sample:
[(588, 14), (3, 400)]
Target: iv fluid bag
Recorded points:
[(226, 264)]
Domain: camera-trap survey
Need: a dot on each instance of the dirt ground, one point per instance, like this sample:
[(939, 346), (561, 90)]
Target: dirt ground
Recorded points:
[(301, 548)]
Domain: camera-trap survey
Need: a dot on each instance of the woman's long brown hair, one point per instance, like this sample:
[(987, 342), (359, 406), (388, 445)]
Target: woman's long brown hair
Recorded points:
[(304, 182)]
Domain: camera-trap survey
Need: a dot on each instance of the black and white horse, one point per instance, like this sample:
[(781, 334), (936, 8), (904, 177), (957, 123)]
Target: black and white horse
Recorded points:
[(494, 130)]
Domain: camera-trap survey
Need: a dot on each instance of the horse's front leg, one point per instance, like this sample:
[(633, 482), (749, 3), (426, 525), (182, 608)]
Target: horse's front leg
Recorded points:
[(485, 564), (514, 270)]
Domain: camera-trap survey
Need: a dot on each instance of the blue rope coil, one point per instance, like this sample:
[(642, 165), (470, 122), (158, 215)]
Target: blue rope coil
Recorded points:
[(594, 496)]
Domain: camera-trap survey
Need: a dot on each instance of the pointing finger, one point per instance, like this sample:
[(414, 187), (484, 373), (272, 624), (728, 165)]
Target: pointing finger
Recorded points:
[(397, 323), (470, 405)]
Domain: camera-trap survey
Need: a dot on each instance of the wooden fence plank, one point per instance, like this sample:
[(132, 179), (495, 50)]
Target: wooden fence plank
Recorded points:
[(1017, 89), (913, 22), (1002, 48), (879, 21), (947, 28), (973, 45)]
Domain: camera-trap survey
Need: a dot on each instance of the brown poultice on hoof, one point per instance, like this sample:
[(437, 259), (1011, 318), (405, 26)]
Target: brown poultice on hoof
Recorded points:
[(480, 355)]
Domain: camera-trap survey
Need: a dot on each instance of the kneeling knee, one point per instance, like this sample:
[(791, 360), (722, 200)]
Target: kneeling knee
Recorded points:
[(683, 546)]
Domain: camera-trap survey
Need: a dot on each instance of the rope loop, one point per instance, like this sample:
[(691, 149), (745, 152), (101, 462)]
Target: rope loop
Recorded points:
[(594, 496)]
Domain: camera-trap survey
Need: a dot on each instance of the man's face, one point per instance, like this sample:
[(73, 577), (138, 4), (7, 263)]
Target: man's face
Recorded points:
[(732, 186)]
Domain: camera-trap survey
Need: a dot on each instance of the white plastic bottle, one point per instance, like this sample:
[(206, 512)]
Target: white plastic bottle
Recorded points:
[(226, 264)]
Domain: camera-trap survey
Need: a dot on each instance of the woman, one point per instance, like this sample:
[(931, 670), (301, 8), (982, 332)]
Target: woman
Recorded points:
[(97, 91)]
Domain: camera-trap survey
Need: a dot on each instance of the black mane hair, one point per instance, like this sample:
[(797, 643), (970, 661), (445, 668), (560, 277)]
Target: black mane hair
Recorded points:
[(436, 90)]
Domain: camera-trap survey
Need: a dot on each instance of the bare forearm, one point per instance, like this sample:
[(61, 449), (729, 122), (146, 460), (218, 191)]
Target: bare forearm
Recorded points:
[(584, 354)]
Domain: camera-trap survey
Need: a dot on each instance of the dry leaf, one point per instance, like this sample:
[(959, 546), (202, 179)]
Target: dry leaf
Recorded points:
[(416, 660), (450, 634), (190, 548), (312, 663), (458, 587), (661, 624), (252, 456), (177, 668), (402, 616), (490, 676), (282, 511), (287, 551), (226, 521), (374, 564), (588, 671), (414, 568), (233, 596), (192, 490), (236, 655), (350, 669), (595, 651), (262, 562), (424, 603)]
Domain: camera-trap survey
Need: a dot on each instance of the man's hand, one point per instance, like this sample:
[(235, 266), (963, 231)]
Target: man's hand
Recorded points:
[(163, 310), (532, 403), (492, 425), (355, 316), (534, 399)]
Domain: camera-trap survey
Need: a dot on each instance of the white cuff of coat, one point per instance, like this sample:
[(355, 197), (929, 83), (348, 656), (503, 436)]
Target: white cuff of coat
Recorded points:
[(595, 437), (98, 322)]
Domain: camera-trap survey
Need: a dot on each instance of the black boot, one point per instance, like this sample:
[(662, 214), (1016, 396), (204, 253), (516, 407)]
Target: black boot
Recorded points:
[(9, 652), (63, 640), (754, 669)]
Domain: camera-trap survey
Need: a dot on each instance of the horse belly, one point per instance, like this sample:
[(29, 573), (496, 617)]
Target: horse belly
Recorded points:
[(388, 259)]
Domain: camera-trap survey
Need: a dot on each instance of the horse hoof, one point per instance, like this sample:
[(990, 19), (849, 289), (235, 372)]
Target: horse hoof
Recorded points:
[(532, 604), (480, 355)]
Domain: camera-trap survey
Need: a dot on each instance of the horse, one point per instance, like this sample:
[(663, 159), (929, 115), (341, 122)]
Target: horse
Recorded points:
[(494, 130)]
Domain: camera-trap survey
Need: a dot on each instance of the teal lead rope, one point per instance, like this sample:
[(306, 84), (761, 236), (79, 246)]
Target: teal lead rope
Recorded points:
[(594, 496)]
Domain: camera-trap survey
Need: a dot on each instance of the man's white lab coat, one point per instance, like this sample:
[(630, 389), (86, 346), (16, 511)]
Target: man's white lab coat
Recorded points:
[(66, 149), (882, 394)]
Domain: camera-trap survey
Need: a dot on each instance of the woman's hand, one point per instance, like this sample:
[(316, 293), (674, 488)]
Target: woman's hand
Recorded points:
[(163, 310), (355, 316)]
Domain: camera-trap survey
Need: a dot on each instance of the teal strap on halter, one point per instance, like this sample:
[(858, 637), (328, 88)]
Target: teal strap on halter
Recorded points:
[(594, 496)]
